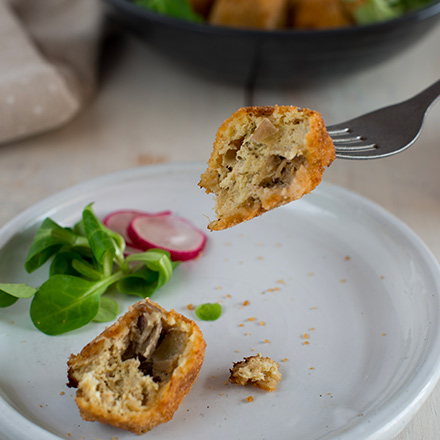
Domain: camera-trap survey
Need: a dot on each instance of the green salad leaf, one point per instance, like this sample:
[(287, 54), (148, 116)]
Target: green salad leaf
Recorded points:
[(173, 8), (64, 303), (50, 238), (86, 269), (10, 293), (86, 261), (156, 260), (142, 283), (373, 11), (6, 299), (108, 310), (69, 262), (104, 248)]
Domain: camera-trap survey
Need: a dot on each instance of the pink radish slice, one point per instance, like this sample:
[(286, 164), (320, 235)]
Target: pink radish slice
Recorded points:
[(174, 234), (119, 221)]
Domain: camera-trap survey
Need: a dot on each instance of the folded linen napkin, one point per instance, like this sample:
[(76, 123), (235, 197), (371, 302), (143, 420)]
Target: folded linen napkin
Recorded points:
[(48, 60)]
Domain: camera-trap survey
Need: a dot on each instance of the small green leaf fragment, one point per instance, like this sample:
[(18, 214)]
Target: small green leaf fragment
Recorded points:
[(209, 311), (108, 310)]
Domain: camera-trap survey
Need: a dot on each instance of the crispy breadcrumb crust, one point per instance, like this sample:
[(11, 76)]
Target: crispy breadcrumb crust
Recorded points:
[(322, 14), (170, 395), (254, 14), (312, 148)]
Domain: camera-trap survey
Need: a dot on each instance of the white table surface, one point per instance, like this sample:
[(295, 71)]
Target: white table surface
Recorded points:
[(147, 110)]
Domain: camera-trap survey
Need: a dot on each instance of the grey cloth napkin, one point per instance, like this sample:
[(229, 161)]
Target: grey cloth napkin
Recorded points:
[(48, 62)]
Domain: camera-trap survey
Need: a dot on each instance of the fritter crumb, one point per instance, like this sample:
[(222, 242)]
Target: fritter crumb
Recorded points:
[(261, 372)]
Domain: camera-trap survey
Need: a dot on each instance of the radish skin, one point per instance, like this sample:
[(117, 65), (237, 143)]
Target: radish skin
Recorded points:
[(174, 234), (119, 221)]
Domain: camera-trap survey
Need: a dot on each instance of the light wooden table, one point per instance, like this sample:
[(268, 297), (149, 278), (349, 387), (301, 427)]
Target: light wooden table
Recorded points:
[(147, 111)]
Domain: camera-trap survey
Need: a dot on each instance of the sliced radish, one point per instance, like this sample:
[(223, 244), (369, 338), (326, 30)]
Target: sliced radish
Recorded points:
[(174, 234), (119, 221)]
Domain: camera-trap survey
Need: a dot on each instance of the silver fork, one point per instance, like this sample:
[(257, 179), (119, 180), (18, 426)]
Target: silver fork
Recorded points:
[(386, 131)]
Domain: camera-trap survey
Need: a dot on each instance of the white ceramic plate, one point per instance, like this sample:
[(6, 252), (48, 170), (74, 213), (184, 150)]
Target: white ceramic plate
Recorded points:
[(345, 297)]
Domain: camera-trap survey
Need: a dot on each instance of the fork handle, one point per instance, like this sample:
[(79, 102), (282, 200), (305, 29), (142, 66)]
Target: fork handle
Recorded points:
[(425, 99)]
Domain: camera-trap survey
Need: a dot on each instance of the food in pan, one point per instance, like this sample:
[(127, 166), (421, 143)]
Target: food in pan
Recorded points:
[(284, 14)]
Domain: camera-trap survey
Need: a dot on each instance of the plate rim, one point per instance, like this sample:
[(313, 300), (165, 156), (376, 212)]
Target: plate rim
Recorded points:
[(388, 426)]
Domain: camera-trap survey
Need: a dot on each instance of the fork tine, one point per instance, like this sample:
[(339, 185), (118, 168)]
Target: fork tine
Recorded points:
[(359, 147), (359, 155), (350, 145), (336, 132), (347, 140), (344, 136)]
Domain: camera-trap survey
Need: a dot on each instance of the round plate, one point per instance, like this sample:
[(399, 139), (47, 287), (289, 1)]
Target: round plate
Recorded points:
[(339, 292)]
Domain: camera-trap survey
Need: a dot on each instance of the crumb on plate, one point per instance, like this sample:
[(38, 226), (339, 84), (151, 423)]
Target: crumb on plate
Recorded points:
[(261, 372)]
